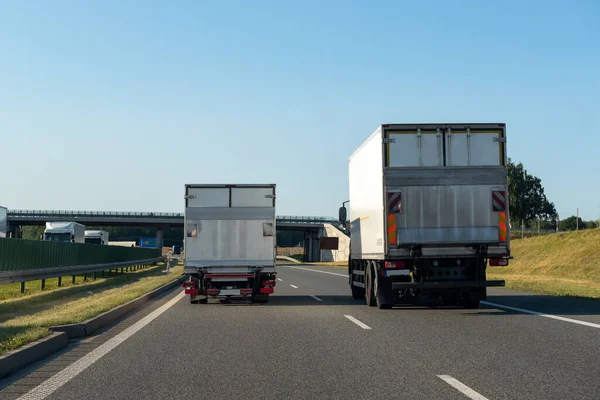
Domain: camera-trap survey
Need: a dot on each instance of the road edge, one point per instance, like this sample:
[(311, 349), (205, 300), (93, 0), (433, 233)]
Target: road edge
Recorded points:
[(29, 353)]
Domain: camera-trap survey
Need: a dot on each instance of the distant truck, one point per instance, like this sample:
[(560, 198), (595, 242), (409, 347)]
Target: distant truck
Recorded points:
[(3, 222), (428, 211), (64, 232), (96, 237), (229, 242)]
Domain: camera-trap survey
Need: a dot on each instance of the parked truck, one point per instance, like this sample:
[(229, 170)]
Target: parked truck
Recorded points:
[(428, 211), (229, 242), (96, 237), (64, 232)]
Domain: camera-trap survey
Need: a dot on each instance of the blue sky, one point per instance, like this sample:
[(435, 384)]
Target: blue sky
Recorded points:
[(116, 105)]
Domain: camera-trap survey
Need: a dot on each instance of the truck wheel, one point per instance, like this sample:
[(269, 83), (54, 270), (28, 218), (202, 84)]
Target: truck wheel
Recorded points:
[(370, 290), (470, 304), (357, 292), (260, 298), (380, 296)]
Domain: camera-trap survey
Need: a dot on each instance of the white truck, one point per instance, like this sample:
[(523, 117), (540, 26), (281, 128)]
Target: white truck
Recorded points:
[(229, 242), (428, 210), (72, 232), (96, 237), (3, 222)]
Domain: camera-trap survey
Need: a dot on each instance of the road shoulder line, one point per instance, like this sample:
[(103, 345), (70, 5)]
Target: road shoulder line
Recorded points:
[(522, 310)]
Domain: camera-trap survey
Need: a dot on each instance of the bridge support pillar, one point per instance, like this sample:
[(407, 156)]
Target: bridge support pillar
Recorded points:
[(159, 238)]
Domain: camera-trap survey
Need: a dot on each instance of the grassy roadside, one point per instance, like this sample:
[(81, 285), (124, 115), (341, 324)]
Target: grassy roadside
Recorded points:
[(561, 264), (26, 318)]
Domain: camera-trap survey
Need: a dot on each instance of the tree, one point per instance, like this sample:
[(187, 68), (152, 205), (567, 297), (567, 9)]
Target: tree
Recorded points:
[(527, 200), (570, 224)]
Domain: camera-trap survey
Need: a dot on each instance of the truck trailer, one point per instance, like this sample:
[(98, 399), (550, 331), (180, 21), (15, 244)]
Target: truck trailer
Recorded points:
[(96, 237), (229, 242), (64, 232), (428, 211)]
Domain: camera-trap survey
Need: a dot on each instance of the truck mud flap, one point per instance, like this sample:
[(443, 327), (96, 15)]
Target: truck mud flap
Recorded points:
[(446, 285)]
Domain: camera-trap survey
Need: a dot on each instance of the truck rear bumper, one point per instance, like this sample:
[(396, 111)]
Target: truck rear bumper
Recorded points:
[(446, 285)]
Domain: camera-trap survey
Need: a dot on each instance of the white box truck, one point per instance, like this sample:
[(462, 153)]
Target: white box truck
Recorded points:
[(428, 210), (229, 242), (64, 232), (96, 237)]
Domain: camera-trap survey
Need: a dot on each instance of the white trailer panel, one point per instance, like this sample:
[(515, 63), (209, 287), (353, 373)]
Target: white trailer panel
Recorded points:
[(229, 226), (367, 198)]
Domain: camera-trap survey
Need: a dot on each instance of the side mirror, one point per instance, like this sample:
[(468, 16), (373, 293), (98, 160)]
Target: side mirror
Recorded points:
[(343, 215)]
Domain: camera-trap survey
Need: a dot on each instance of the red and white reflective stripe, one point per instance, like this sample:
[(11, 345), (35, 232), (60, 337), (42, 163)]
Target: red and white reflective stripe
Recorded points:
[(498, 200), (394, 202)]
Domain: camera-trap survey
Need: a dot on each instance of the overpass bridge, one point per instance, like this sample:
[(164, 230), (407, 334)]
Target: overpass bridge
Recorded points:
[(313, 227)]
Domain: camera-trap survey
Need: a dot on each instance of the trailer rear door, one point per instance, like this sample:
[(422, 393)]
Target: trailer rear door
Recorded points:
[(445, 186), (230, 225)]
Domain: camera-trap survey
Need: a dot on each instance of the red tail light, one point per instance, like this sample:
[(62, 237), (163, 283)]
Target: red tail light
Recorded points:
[(394, 265), (498, 262), (268, 283), (191, 291)]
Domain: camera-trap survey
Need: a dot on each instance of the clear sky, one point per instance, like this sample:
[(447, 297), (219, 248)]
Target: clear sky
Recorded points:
[(116, 105)]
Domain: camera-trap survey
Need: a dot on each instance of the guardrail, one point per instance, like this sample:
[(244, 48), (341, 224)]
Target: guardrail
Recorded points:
[(29, 260), (45, 273)]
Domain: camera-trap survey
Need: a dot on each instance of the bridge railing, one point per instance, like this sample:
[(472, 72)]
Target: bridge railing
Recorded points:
[(44, 213)]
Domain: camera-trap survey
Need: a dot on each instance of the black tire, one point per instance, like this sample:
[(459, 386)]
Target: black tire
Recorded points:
[(260, 298), (380, 296), (357, 292), (470, 304), (369, 287), (450, 301)]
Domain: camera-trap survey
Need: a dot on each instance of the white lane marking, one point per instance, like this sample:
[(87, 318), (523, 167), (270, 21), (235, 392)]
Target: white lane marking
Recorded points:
[(280, 280), (574, 321), (49, 386), (316, 298), (294, 286), (357, 322), (322, 272), (461, 387)]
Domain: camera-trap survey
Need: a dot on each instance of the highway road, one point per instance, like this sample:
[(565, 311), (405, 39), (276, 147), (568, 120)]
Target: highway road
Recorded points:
[(312, 341)]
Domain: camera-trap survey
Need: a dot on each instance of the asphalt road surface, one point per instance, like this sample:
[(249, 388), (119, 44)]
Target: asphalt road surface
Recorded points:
[(312, 341)]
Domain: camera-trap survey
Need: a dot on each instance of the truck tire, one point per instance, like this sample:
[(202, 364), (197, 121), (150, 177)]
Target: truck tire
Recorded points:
[(369, 285), (380, 295), (357, 292), (260, 298), (470, 304)]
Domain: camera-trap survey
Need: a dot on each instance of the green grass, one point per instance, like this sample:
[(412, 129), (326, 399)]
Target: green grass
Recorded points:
[(563, 264), (25, 318)]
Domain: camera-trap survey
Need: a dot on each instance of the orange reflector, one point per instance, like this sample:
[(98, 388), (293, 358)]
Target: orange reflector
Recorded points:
[(502, 226), (391, 226)]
